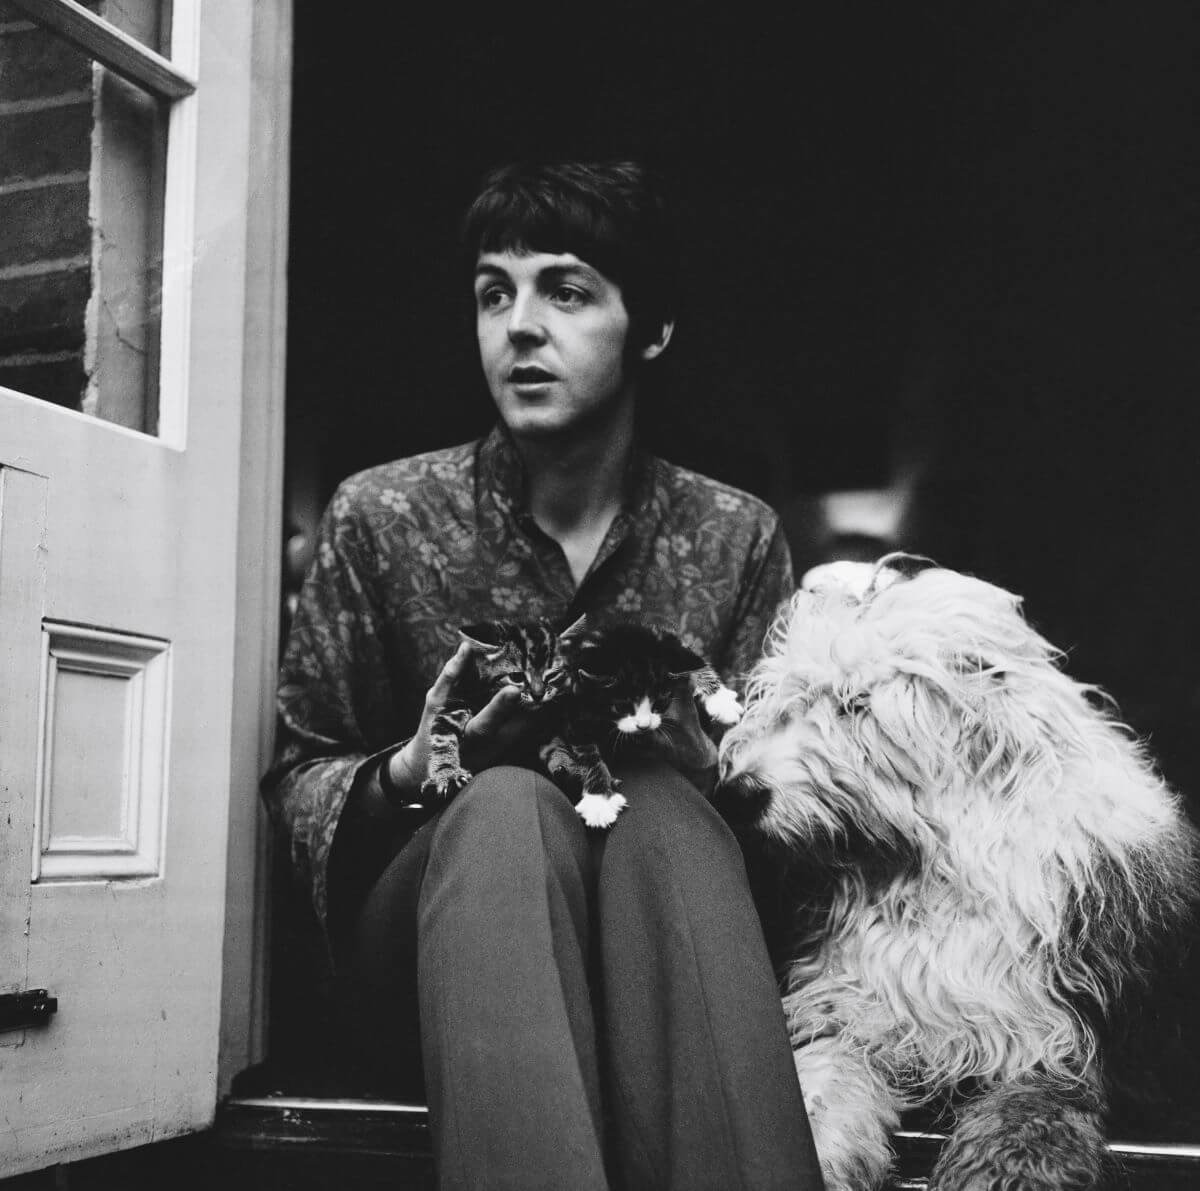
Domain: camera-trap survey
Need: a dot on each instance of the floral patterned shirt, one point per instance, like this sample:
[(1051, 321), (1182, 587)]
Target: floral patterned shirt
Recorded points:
[(410, 550)]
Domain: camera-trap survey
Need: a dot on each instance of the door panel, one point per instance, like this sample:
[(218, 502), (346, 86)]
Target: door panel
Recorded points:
[(118, 573)]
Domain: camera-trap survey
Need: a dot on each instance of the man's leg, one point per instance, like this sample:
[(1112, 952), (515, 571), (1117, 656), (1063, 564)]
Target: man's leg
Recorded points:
[(704, 1090), (506, 1014), (377, 977)]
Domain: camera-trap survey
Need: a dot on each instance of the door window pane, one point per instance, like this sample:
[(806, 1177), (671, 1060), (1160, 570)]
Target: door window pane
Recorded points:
[(82, 172), (147, 20)]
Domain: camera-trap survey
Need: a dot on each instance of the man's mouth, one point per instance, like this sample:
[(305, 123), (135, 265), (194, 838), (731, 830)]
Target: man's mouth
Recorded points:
[(530, 374)]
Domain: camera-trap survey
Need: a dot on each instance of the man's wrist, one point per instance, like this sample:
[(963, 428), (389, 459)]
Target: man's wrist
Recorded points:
[(398, 790)]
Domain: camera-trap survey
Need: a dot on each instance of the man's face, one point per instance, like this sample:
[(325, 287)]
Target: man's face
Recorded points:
[(552, 337)]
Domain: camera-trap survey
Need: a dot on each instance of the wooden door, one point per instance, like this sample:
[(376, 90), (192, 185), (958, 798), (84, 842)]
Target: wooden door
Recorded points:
[(118, 581)]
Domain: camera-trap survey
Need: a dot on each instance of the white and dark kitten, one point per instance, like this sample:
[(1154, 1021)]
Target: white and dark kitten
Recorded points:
[(625, 676)]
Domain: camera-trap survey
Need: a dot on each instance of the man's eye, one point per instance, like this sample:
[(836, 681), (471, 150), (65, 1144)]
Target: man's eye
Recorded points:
[(491, 298), (569, 295)]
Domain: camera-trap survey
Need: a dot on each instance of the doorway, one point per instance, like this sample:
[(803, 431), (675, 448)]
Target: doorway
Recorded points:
[(939, 295)]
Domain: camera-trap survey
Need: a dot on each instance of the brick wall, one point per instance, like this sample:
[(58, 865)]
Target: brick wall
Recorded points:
[(81, 189), (45, 233)]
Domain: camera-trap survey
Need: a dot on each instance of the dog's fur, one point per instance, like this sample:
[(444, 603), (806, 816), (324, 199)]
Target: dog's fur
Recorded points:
[(997, 862)]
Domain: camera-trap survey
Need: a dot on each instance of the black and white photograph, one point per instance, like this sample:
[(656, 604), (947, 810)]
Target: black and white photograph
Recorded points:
[(599, 597)]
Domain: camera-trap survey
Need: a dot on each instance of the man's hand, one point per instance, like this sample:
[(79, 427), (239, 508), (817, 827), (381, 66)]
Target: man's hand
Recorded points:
[(489, 733)]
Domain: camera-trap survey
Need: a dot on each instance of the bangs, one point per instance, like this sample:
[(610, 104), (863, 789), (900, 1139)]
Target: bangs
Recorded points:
[(522, 221)]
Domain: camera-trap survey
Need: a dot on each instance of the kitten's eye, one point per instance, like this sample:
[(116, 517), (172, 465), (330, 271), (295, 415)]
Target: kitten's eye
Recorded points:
[(515, 676)]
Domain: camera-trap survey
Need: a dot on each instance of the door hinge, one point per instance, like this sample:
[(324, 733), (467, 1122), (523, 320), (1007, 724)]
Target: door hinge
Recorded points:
[(34, 1007)]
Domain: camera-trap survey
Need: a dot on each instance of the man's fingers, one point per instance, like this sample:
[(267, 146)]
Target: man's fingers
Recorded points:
[(443, 684), (498, 711), (494, 730)]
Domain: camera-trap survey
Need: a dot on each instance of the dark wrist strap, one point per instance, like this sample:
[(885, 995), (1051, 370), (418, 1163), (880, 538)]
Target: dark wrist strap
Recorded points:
[(411, 812)]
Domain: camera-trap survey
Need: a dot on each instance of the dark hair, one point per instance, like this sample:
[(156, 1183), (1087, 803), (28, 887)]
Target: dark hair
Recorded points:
[(610, 214)]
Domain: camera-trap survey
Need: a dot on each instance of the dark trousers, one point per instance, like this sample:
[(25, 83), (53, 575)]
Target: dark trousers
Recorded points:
[(596, 1009)]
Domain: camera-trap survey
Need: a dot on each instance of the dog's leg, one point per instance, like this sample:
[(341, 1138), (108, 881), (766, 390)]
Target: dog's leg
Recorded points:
[(853, 1112), (1035, 1134)]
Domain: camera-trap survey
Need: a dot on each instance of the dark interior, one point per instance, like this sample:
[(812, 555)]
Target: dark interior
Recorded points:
[(946, 249)]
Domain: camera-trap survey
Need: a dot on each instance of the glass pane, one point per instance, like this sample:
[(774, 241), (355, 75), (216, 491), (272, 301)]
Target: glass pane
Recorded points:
[(82, 172), (149, 21)]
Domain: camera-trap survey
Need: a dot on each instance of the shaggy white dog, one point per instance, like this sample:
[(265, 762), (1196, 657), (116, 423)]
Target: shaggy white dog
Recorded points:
[(994, 860)]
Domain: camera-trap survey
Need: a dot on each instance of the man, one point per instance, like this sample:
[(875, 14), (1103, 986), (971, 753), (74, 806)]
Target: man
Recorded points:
[(589, 1006)]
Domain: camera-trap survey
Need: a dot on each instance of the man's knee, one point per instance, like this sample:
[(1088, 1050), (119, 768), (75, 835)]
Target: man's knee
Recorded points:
[(508, 853), (509, 810), (667, 811), (505, 791), (664, 797)]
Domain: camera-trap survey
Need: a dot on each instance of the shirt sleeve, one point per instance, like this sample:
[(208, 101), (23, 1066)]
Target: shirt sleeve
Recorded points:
[(768, 583), (335, 703)]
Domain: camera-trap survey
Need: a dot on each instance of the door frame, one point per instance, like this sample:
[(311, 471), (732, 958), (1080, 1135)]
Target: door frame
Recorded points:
[(260, 545)]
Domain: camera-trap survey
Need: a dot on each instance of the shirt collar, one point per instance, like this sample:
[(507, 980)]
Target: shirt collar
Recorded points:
[(501, 477)]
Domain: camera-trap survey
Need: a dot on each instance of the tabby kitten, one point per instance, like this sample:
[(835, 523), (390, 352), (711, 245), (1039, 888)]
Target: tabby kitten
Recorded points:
[(528, 655), (624, 677)]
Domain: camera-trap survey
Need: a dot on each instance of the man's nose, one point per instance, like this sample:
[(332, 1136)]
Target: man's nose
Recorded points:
[(524, 319)]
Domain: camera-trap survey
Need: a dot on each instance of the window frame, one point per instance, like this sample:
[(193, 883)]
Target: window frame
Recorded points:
[(113, 48), (176, 83)]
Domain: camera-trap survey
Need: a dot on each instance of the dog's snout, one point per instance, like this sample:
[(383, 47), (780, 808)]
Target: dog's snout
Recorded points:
[(741, 796), (742, 782)]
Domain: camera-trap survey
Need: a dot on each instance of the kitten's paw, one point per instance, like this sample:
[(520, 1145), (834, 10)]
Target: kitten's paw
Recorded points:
[(445, 783), (723, 706), (600, 810)]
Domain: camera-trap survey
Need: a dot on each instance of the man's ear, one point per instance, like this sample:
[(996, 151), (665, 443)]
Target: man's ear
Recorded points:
[(656, 347)]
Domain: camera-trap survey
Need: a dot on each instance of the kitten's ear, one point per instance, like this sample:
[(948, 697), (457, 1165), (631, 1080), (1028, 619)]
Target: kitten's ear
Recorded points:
[(484, 637), (681, 660), (572, 631), (585, 665)]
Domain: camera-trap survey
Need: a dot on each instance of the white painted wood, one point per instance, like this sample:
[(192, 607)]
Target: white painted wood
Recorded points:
[(22, 596), (181, 244), (102, 755), (260, 546), (137, 536)]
